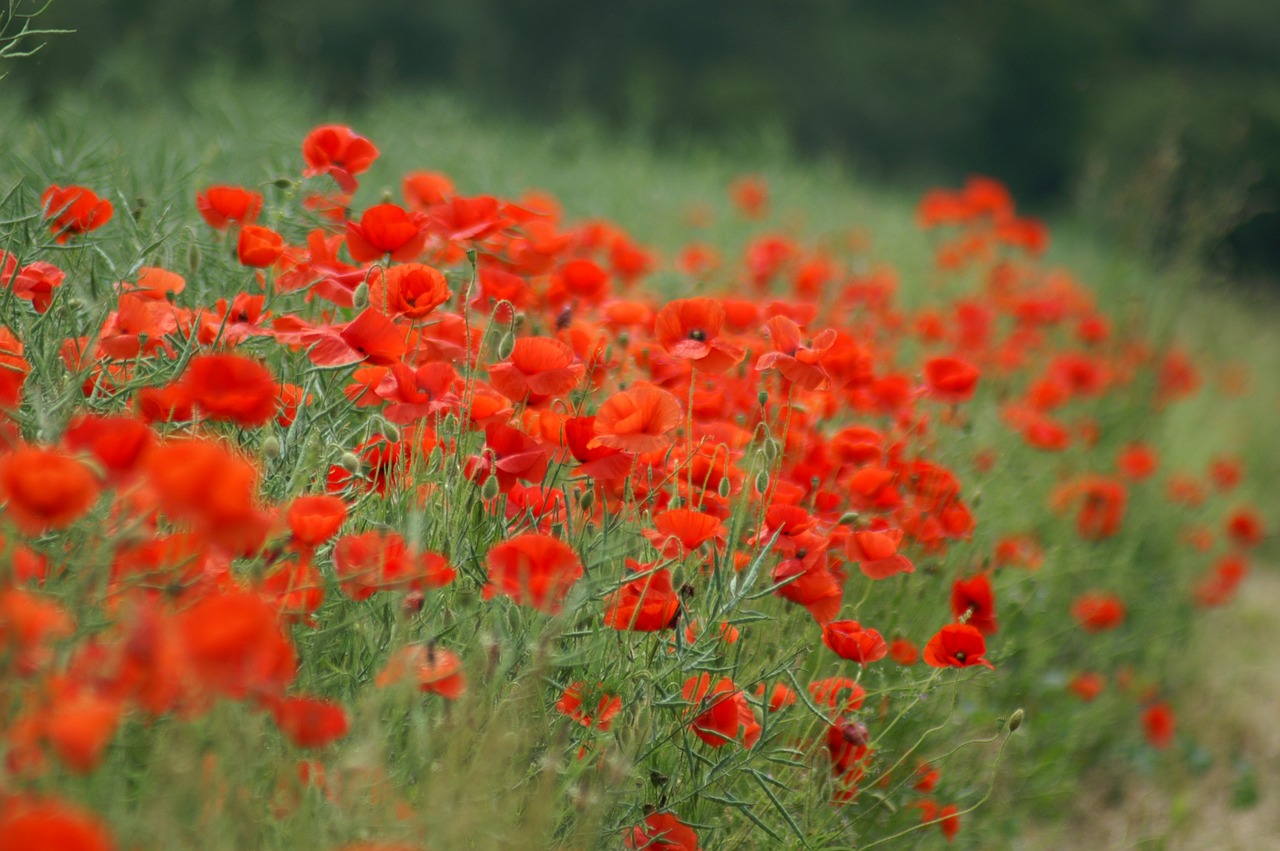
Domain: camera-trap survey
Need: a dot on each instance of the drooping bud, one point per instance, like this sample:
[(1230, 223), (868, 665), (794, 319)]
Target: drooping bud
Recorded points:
[(490, 489), (351, 463), (391, 433), (360, 298), (1015, 720)]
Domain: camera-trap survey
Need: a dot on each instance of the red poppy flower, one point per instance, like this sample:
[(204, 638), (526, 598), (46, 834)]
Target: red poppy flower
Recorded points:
[(339, 152), (661, 832), (411, 290), (690, 329), (725, 713), (44, 489), (1098, 612), (36, 282), (797, 362), (51, 824), (235, 645), (637, 420), (433, 669), (74, 210), (1245, 527), (950, 379), (850, 641), (537, 369), (79, 726), (1087, 685), (534, 570), (219, 206), (956, 645), (231, 388), (310, 722), (680, 531), (645, 604), (379, 561), (750, 194), (973, 597), (607, 706), (1159, 724), (315, 519), (259, 247), (839, 694), (387, 229), (903, 651), (1137, 462)]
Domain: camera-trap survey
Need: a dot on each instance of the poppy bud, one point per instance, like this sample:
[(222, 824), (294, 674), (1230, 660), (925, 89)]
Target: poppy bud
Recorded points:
[(848, 518), (391, 433), (763, 398), (360, 298), (435, 459), (282, 183), (271, 448), (587, 500), (351, 463), (490, 489), (506, 345), (762, 481), (770, 449), (450, 424), (193, 258), (724, 488), (1015, 720)]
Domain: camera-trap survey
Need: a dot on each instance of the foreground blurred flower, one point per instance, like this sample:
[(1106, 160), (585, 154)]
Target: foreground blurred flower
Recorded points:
[(645, 604), (433, 669), (43, 489)]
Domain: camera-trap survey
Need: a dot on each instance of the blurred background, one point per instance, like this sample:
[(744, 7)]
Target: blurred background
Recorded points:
[(1158, 119)]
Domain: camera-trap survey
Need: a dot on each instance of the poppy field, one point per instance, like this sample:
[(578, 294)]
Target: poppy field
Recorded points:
[(349, 507)]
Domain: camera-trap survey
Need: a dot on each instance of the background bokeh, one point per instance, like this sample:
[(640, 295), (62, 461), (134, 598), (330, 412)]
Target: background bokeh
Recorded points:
[(1161, 117)]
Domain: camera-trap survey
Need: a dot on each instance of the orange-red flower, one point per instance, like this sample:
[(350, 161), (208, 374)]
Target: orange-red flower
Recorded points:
[(973, 600), (219, 206), (950, 379), (645, 604), (411, 290), (1159, 724), (661, 832), (637, 420), (1098, 612), (680, 531), (534, 570), (432, 668), (956, 645), (233, 388), (849, 640), (607, 706), (690, 329), (50, 825), (315, 519), (259, 247), (537, 369), (45, 489), (725, 713), (387, 230), (310, 722), (338, 151), (74, 210)]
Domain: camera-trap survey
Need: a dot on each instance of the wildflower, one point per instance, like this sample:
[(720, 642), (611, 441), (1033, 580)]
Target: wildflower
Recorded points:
[(74, 210), (432, 668), (645, 604), (409, 290), (570, 704), (387, 230), (956, 645), (27, 823), (973, 601), (725, 713), (259, 247), (537, 369), (44, 489), (339, 152), (950, 379), (232, 388), (534, 570), (219, 206), (690, 329), (637, 420), (661, 832), (1159, 724), (849, 640), (310, 722), (1098, 612)]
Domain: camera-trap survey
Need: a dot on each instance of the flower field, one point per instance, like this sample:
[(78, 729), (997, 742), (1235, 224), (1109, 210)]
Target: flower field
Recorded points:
[(434, 517)]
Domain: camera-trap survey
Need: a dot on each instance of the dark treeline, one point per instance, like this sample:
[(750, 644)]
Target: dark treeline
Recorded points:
[(1169, 109)]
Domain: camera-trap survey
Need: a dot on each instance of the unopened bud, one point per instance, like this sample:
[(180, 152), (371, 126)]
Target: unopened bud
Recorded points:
[(271, 447), (282, 183), (360, 298), (771, 449), (506, 345), (724, 488), (1015, 720), (762, 481), (587, 500), (391, 433), (193, 258), (848, 518), (763, 398), (351, 462), (490, 489)]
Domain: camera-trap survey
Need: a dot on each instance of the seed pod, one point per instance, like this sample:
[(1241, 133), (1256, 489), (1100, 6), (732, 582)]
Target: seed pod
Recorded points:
[(763, 398)]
